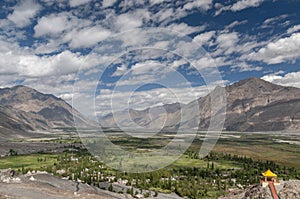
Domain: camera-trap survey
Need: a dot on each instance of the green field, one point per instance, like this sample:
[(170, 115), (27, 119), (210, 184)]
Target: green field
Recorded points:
[(259, 146), (32, 161), (263, 147), (185, 161)]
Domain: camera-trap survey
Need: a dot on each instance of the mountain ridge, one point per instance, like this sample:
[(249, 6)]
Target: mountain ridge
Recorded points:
[(25, 109), (253, 104)]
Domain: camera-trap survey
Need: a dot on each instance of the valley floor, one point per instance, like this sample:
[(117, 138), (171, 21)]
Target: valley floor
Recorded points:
[(236, 162)]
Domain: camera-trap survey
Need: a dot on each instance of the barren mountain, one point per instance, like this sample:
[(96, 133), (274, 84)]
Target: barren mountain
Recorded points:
[(251, 105), (23, 108)]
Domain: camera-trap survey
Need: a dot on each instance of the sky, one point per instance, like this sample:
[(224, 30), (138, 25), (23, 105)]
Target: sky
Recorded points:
[(126, 53)]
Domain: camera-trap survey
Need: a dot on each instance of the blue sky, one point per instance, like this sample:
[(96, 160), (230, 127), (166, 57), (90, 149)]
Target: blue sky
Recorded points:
[(44, 43)]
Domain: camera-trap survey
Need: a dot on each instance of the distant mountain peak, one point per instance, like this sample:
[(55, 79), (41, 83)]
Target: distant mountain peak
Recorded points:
[(21, 87), (254, 85), (35, 110), (254, 80)]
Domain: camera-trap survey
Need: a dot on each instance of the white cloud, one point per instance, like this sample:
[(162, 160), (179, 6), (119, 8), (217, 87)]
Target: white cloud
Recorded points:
[(200, 4), (24, 12), (227, 43), (142, 99), (284, 49), (60, 64), (207, 62), (290, 79), (75, 3), (204, 38), (164, 14), (53, 24), (178, 63), (49, 47), (128, 4), (128, 21), (120, 70), (147, 67), (23, 62), (65, 28), (235, 23), (58, 24), (154, 2), (243, 67), (142, 72), (243, 4), (108, 3), (183, 28), (293, 29), (66, 96), (273, 20), (238, 6), (86, 37)]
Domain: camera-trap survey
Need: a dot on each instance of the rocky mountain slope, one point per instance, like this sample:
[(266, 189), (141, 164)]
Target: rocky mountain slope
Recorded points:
[(251, 105), (23, 108), (257, 105), (287, 190), (39, 185)]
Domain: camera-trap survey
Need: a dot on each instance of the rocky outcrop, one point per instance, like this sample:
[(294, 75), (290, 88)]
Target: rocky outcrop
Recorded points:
[(43, 185), (290, 190), (287, 190)]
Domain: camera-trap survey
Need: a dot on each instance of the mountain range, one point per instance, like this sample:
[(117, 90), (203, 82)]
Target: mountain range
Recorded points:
[(25, 109), (251, 105)]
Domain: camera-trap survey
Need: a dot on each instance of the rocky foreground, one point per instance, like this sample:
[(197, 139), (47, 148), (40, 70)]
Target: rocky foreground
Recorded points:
[(287, 190), (39, 185), (42, 185)]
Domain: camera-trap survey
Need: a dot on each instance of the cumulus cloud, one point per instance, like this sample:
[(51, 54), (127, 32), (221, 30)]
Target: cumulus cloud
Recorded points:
[(154, 2), (86, 37), (60, 64), (164, 14), (141, 99), (204, 38), (183, 28), (243, 4), (49, 47), (198, 4), (24, 12), (147, 67), (75, 3), (65, 28), (121, 70), (108, 3), (284, 49), (23, 62), (128, 21), (207, 62), (52, 25), (293, 29), (273, 20), (144, 71), (239, 5), (227, 43), (289, 79)]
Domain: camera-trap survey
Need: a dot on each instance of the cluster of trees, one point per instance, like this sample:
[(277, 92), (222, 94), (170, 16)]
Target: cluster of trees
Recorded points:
[(192, 182)]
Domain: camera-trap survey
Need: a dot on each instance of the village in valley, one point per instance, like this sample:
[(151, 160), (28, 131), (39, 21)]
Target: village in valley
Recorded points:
[(213, 176)]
